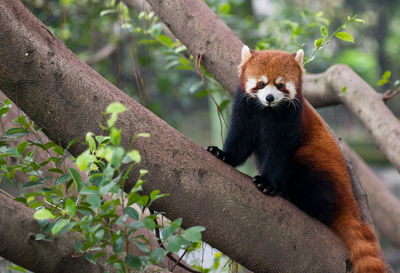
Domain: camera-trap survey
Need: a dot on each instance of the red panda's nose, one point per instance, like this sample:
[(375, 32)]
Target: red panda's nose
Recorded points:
[(270, 98)]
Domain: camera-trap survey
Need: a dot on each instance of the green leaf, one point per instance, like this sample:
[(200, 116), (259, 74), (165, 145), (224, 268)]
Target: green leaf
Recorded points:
[(324, 31), (318, 42), (70, 207), (149, 223), (345, 37), (174, 244), (117, 154), (43, 214), (71, 143), (91, 142), (382, 82), (4, 110), (115, 108), (223, 104), (143, 247), (78, 246), (115, 136), (84, 159), (201, 94), (153, 194), (62, 179), (143, 200), (168, 231), (90, 190), (76, 177), (90, 257), (59, 226), (131, 212), (16, 268), (193, 234), (118, 246), (344, 89), (165, 40), (107, 11), (386, 75), (94, 200), (32, 184), (58, 150), (16, 133), (225, 8), (22, 146), (158, 255), (56, 170), (133, 261), (99, 235)]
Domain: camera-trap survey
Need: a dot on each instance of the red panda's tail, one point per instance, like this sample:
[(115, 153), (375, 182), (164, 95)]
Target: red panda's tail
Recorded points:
[(362, 244)]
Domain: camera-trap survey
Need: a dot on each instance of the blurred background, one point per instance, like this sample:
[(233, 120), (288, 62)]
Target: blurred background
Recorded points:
[(131, 49)]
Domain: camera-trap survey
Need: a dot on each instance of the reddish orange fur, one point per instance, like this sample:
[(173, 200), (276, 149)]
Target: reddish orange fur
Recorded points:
[(319, 149)]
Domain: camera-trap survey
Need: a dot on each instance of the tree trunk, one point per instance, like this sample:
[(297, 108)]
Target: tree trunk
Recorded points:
[(66, 98)]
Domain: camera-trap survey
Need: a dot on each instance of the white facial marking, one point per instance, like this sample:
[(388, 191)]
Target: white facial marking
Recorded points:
[(278, 80), (292, 89), (250, 84), (264, 79), (270, 90)]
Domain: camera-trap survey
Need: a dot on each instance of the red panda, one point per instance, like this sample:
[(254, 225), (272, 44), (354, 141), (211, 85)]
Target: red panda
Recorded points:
[(297, 155)]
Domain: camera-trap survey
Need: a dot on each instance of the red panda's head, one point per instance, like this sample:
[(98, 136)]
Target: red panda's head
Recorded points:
[(270, 76)]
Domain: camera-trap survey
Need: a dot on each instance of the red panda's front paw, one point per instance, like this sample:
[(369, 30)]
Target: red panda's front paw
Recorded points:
[(215, 151), (264, 185)]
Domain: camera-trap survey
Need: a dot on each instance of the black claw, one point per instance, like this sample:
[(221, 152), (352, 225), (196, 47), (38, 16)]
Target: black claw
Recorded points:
[(264, 185), (217, 153)]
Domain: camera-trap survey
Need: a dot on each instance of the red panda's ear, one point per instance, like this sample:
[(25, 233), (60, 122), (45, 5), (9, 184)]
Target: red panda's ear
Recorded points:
[(246, 54), (298, 57)]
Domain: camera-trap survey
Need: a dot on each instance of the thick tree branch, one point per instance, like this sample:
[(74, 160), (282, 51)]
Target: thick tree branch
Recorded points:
[(366, 104), (65, 97)]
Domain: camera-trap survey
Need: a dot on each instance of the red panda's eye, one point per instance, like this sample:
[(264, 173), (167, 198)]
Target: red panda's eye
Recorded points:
[(260, 84), (280, 86)]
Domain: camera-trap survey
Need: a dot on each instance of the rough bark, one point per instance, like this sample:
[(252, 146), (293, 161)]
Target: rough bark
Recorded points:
[(18, 244), (65, 97), (196, 26)]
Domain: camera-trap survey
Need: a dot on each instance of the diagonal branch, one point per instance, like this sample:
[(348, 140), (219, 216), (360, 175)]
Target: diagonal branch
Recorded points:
[(65, 97), (364, 103)]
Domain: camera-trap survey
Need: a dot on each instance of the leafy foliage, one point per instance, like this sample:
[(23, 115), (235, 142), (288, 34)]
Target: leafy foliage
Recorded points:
[(94, 205)]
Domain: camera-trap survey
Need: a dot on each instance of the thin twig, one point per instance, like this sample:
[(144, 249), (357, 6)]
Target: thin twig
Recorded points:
[(390, 94), (199, 58)]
